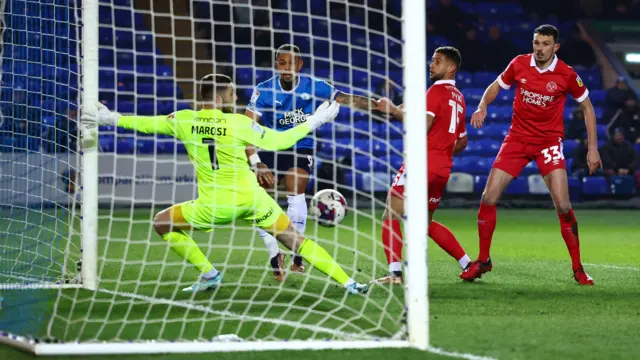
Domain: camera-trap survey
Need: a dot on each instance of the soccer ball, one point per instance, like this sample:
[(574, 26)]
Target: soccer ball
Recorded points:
[(328, 207)]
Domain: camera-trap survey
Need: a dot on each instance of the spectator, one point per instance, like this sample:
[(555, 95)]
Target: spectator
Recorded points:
[(576, 51), (616, 97), (498, 51), (388, 90), (471, 45), (618, 156), (576, 127), (628, 119)]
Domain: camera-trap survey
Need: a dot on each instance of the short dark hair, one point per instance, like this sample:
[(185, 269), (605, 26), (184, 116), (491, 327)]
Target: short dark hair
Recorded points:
[(211, 84), (288, 48), (548, 30), (452, 54)]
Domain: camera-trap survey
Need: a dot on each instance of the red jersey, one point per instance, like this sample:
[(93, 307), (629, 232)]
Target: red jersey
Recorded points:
[(540, 97), (446, 104)]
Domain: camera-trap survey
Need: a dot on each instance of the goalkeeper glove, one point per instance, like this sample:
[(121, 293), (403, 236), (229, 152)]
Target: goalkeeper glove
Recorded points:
[(102, 116), (324, 113)]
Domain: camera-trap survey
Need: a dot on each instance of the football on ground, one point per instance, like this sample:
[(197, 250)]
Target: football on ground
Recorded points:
[(328, 207)]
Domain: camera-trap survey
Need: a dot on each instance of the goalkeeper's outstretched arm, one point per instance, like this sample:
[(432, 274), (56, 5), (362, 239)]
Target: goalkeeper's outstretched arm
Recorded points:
[(148, 124)]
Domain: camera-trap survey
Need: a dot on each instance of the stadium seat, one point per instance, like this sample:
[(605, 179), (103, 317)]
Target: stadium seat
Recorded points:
[(602, 131), (460, 183), (569, 147), (165, 146), (531, 168), (505, 97), (395, 161), (145, 145), (575, 188), (379, 148), (595, 185), (537, 185), (464, 78), (597, 96), (125, 145), (472, 95), (107, 143), (146, 108), (496, 131), (637, 147), (518, 186), (362, 162), (482, 79), (479, 182), (623, 185), (569, 165)]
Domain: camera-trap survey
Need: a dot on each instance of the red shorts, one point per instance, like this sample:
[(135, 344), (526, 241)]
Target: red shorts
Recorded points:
[(514, 155), (436, 186)]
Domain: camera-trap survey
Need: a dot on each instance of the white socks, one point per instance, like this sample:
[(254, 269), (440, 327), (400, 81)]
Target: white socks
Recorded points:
[(464, 261), (210, 274), (270, 242), (297, 212), (395, 266)]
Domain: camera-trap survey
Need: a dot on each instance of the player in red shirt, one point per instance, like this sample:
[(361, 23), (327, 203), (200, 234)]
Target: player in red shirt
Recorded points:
[(446, 135), (542, 83)]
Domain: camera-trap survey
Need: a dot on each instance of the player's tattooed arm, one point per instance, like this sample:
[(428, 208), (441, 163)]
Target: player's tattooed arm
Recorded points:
[(385, 105), (355, 101)]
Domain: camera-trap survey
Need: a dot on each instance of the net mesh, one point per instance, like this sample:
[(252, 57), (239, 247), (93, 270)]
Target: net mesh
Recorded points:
[(151, 54)]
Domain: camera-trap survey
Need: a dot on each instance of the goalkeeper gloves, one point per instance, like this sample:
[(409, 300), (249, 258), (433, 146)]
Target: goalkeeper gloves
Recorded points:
[(324, 113), (103, 116)]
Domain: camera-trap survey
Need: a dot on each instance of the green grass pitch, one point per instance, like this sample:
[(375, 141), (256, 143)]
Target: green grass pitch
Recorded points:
[(528, 307)]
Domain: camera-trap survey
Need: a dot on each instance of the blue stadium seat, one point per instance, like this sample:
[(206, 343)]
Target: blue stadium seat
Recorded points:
[(488, 147), (123, 18), (145, 146), (243, 56), (569, 147), (597, 96), (379, 148), (530, 169), (623, 185), (362, 162), (637, 146), (518, 186), (599, 113), (146, 108), (396, 162), (595, 185), (363, 146), (107, 143), (165, 88), (482, 79), (145, 89), (479, 182), (505, 97), (496, 131), (125, 107), (464, 78), (569, 165), (263, 75), (602, 131), (165, 146), (125, 145), (472, 95), (474, 133), (300, 24), (397, 146), (575, 188)]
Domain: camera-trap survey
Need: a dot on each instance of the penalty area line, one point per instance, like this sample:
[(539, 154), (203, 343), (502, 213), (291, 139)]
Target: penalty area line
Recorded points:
[(205, 309), (616, 267), (438, 351)]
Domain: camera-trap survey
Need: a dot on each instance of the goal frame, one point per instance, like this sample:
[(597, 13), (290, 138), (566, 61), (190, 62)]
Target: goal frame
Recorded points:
[(416, 295)]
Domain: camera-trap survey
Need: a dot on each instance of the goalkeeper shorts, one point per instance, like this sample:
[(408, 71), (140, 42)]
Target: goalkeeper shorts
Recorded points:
[(225, 206)]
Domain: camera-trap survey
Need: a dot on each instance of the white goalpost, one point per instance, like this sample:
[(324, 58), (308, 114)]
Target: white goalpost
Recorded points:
[(82, 271)]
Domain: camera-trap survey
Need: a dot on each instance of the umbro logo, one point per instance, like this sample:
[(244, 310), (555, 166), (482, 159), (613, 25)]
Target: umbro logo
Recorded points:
[(523, 81)]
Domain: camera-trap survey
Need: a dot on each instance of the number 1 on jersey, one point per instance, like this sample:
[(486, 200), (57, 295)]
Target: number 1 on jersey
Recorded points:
[(455, 109), (211, 145)]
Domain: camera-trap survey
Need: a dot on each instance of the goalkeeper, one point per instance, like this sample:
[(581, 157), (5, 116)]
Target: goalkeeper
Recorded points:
[(215, 139)]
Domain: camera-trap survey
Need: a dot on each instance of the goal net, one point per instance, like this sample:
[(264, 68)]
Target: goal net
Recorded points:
[(81, 265)]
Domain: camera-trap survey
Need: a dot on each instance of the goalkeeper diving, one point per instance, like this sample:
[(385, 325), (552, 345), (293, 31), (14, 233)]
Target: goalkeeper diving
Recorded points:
[(215, 138)]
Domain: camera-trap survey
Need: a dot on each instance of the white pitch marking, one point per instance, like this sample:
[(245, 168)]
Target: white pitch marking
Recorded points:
[(614, 267)]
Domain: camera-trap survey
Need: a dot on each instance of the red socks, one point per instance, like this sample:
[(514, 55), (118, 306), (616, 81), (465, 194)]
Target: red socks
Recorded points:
[(569, 230), (392, 240), (446, 240), (486, 226)]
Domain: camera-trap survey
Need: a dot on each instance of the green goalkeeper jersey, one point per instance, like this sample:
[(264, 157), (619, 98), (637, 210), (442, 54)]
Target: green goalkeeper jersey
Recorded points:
[(216, 142)]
